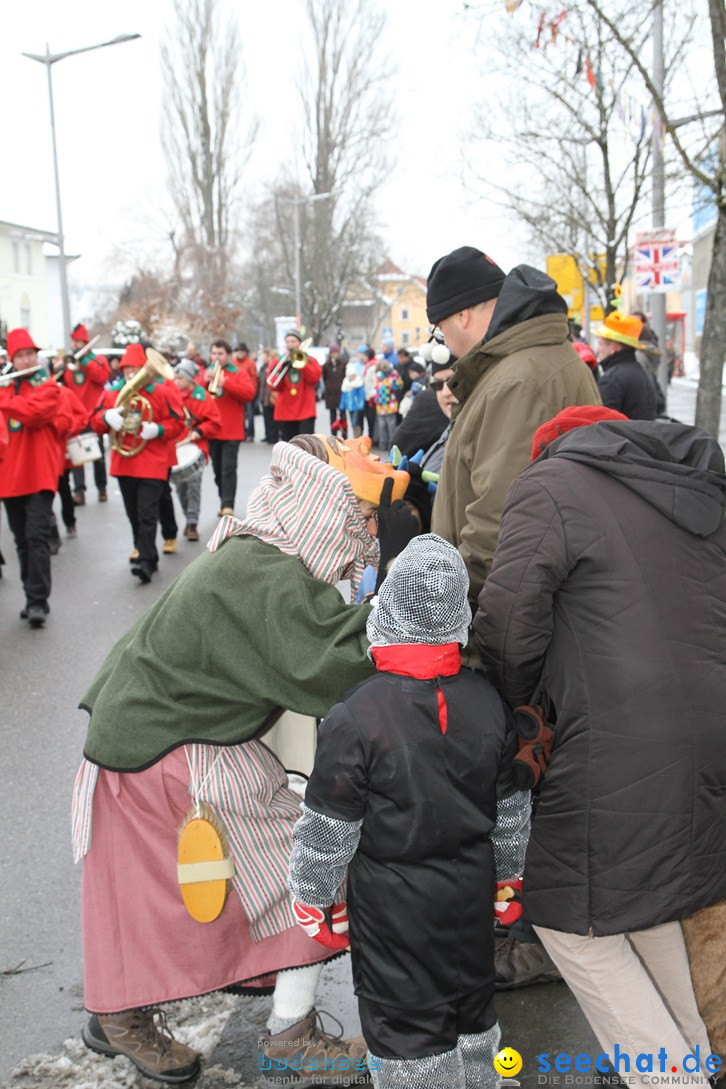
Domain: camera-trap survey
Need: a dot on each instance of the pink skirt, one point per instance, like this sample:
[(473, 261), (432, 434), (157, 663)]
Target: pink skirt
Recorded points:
[(140, 946)]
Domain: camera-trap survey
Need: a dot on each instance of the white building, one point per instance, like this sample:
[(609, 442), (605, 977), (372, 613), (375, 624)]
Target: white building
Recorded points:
[(30, 294)]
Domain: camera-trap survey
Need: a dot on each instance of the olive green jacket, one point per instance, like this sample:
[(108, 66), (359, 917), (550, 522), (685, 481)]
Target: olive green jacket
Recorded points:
[(241, 634)]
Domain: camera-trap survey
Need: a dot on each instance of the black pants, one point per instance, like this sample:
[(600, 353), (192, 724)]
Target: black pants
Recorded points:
[(223, 454), (271, 427), (371, 420), (29, 518), (68, 507), (167, 517), (99, 472), (393, 1033), (290, 428), (141, 502)]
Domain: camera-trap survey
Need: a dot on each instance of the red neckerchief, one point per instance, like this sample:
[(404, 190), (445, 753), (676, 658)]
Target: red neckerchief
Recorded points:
[(424, 662)]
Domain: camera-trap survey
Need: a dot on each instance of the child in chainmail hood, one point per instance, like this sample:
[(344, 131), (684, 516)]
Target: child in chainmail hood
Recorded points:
[(412, 794)]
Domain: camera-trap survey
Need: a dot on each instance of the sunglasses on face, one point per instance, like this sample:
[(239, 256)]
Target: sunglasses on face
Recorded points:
[(438, 383)]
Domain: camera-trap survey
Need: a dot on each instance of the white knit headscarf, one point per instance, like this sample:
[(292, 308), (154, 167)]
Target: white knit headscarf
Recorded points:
[(307, 509)]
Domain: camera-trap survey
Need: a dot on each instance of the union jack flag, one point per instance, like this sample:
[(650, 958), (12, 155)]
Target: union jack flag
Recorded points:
[(657, 266)]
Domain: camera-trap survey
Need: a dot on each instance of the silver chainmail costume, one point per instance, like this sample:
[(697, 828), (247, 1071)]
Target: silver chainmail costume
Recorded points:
[(435, 1072), (424, 597), (323, 848), (510, 835), (478, 1051)]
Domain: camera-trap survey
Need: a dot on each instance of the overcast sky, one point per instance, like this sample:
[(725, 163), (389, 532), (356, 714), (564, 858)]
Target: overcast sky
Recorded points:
[(107, 106)]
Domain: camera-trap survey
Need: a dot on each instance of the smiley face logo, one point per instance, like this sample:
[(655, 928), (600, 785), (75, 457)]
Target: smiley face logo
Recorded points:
[(507, 1062)]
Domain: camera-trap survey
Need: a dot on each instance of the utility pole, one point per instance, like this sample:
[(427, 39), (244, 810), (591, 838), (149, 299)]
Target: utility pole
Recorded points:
[(658, 298)]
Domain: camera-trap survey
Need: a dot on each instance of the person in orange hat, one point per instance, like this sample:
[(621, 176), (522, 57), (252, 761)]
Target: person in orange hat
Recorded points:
[(89, 375), (140, 452), (625, 385), (36, 419)]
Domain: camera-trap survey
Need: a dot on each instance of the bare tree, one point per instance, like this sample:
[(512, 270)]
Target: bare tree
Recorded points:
[(204, 141), (346, 109), (698, 139), (576, 139)]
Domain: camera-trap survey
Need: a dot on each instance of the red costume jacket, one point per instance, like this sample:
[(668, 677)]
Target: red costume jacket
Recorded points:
[(153, 462), (201, 413), (88, 380), (248, 364), (36, 418), (296, 392), (71, 403), (239, 387)]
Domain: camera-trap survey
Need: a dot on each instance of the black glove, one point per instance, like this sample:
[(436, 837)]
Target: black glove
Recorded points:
[(397, 525)]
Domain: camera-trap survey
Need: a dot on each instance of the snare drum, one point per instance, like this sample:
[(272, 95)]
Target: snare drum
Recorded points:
[(83, 448), (190, 461)]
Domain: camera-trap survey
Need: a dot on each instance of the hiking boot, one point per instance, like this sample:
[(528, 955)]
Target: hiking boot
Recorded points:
[(79, 499), (102, 496), (191, 533), (518, 964), (134, 556), (312, 1056), (169, 548), (150, 1046)]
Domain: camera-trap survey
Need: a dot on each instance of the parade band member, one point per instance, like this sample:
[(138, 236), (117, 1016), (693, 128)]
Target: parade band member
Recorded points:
[(233, 387), (203, 422), (87, 379), (78, 423), (36, 420), (245, 362), (254, 625), (295, 406), (141, 476)]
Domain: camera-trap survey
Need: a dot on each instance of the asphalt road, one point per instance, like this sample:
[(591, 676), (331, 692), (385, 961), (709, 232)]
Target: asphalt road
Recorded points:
[(44, 673)]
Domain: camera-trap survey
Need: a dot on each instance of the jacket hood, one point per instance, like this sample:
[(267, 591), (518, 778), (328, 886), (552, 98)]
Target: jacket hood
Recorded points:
[(526, 293), (676, 468)]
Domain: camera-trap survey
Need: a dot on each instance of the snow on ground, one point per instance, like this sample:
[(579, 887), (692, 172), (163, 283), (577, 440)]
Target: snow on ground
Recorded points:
[(198, 1022)]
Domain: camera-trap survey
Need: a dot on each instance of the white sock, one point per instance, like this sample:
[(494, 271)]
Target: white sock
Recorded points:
[(293, 997)]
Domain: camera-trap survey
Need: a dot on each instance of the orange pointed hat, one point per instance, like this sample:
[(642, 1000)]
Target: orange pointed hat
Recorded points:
[(366, 474)]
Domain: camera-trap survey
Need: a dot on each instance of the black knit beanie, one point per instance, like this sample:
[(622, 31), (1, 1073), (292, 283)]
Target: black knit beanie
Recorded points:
[(463, 278)]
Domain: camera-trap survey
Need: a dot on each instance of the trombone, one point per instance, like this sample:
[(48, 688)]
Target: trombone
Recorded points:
[(296, 359)]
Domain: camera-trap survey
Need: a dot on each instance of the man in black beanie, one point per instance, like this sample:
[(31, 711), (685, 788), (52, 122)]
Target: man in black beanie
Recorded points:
[(516, 370)]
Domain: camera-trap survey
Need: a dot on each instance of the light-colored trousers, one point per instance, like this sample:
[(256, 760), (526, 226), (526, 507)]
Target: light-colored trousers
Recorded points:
[(635, 990)]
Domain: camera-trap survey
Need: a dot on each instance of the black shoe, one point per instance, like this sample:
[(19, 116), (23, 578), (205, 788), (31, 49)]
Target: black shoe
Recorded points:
[(71, 531), (24, 612), (519, 964), (102, 497), (55, 546), (143, 572), (36, 616)]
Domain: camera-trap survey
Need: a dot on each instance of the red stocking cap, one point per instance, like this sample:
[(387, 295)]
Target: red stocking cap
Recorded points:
[(80, 333), (568, 420)]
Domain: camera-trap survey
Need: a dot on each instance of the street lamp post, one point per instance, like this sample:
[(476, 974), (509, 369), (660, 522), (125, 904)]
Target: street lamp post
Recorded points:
[(49, 59), (296, 202)]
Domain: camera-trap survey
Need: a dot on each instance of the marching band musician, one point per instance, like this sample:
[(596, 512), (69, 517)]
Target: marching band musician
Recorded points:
[(78, 423), (36, 418), (89, 375), (295, 406), (142, 473), (233, 387), (202, 416)]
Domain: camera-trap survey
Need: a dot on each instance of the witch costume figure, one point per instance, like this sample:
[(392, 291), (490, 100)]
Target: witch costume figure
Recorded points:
[(174, 745)]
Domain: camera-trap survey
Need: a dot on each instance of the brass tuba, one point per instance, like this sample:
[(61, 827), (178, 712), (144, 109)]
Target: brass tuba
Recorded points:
[(137, 409)]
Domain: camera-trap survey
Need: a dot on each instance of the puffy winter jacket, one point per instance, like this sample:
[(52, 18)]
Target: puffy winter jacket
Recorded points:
[(608, 593)]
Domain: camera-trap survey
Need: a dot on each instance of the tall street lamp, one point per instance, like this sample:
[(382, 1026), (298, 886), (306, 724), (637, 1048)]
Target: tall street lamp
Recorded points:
[(296, 202), (49, 59)]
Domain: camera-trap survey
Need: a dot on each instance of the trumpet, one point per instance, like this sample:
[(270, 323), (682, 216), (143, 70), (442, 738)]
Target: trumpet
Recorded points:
[(296, 359), (213, 387)]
